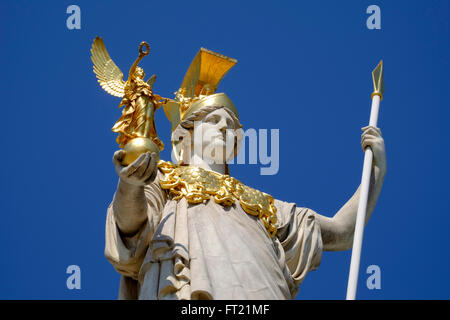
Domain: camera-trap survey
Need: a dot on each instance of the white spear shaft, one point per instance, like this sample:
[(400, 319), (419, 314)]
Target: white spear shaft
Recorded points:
[(377, 95)]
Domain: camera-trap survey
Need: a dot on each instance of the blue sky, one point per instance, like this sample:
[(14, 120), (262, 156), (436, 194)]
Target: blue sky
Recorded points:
[(303, 68)]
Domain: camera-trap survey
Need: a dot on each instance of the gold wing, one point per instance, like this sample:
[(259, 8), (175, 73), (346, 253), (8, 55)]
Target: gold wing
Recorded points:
[(151, 80), (108, 73)]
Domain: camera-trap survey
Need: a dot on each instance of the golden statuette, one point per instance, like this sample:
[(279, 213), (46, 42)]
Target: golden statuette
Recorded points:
[(136, 126), (198, 185)]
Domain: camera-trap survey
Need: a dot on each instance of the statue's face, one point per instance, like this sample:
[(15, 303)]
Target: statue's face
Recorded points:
[(140, 73), (217, 132)]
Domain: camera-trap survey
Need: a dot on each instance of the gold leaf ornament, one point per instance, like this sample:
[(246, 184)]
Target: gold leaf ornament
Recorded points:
[(198, 185)]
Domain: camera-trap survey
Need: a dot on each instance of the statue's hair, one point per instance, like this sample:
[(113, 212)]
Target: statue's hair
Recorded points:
[(185, 127), (139, 69), (198, 115)]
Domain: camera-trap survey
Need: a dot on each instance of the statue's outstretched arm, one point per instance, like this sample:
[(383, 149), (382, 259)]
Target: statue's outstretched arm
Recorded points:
[(130, 204), (337, 232)]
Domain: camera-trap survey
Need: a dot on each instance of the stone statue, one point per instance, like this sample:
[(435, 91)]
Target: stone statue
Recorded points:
[(191, 231)]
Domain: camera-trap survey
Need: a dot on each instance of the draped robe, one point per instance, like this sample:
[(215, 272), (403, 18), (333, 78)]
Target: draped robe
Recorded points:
[(209, 251)]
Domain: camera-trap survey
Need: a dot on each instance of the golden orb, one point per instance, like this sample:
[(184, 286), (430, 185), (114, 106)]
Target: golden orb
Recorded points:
[(137, 146)]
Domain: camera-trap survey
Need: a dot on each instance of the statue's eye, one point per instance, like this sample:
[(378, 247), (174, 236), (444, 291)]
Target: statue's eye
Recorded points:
[(213, 120)]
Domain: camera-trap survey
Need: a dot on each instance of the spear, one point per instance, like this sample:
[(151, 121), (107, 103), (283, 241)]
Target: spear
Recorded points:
[(377, 96)]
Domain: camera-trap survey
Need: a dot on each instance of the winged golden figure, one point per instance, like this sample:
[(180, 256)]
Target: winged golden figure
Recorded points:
[(136, 126)]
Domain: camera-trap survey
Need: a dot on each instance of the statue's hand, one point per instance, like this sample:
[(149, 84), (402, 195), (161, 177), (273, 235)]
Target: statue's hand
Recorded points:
[(140, 172), (371, 137)]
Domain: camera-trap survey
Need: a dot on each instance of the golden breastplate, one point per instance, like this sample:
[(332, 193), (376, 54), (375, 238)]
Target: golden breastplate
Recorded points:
[(197, 185)]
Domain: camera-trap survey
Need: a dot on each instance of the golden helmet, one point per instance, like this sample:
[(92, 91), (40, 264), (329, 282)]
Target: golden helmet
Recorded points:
[(199, 87)]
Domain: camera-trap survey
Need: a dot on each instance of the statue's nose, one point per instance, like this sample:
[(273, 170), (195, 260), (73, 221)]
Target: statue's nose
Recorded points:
[(222, 125)]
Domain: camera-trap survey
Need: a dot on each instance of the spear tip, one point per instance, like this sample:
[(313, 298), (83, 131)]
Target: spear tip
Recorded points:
[(378, 81)]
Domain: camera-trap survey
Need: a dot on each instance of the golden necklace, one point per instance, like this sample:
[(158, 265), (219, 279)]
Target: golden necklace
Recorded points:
[(197, 185)]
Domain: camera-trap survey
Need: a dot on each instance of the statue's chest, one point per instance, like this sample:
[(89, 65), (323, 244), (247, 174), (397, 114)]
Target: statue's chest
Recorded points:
[(198, 185), (134, 88)]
